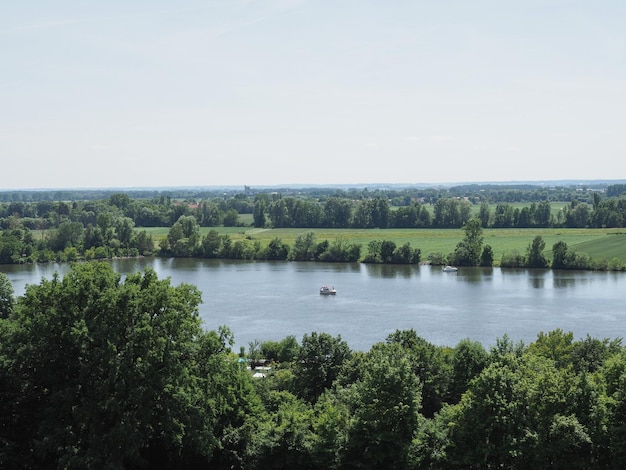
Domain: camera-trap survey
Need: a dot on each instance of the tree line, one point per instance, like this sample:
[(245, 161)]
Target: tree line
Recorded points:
[(184, 240), (449, 208), (99, 229), (293, 212), (97, 371)]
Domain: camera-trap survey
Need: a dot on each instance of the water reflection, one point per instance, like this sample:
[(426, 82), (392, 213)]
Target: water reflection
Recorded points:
[(567, 279), (306, 266), (538, 277), (390, 271), (475, 274)]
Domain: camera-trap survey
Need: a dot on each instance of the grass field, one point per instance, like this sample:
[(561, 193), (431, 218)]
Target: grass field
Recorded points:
[(597, 243)]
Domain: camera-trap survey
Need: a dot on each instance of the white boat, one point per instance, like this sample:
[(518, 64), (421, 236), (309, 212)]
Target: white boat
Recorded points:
[(326, 290), (449, 269)]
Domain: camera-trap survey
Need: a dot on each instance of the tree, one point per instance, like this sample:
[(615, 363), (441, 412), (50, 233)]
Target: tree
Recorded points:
[(6, 296), (124, 230), (384, 406), (405, 254), (387, 248), (319, 361), (542, 216), (484, 214), (107, 374), (105, 227), (276, 250), (503, 216), (282, 439), (68, 234), (143, 242), (578, 215), (231, 218), (11, 247), (555, 345), (330, 430), (559, 255), (428, 364), (340, 250), (491, 429), (338, 212), (184, 236), (211, 244), (258, 215), (120, 200), (486, 258), (468, 250), (535, 257), (285, 350), (303, 248), (589, 354), (469, 358), (209, 214)]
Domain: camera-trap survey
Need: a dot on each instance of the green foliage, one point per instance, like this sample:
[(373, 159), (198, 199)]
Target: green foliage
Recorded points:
[(7, 300), (283, 438), (183, 237), (100, 225), (469, 358), (319, 362), (303, 248), (340, 250), (384, 406), (535, 257), (285, 350), (513, 259), (564, 258), (276, 250), (491, 425), (231, 218), (486, 258), (555, 345), (112, 373), (430, 366), (468, 250), (386, 251)]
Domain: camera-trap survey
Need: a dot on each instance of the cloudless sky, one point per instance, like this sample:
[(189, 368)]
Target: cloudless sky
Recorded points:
[(153, 93)]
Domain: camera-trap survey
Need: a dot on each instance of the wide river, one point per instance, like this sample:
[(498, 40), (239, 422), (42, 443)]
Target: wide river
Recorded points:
[(271, 300)]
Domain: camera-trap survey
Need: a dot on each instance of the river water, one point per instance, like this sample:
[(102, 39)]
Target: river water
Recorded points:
[(271, 300)]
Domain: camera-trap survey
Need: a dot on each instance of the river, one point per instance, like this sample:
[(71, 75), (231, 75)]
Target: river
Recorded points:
[(271, 300)]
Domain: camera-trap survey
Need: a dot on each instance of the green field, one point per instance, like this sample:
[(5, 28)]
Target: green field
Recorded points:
[(597, 243)]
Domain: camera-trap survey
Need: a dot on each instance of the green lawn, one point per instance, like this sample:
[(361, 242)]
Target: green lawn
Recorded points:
[(597, 243)]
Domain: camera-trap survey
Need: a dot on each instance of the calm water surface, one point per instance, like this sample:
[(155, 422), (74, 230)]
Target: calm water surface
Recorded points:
[(266, 300)]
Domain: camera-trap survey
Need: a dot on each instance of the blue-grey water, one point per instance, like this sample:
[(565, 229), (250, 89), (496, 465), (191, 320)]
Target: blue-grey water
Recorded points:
[(271, 300)]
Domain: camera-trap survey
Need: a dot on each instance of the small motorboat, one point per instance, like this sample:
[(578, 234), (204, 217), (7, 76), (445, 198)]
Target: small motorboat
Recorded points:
[(449, 269), (327, 290)]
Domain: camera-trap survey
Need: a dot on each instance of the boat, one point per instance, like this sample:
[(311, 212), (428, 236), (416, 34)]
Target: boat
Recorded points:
[(327, 290), (449, 269)]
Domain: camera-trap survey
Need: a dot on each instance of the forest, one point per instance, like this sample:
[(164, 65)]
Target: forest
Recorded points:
[(97, 371)]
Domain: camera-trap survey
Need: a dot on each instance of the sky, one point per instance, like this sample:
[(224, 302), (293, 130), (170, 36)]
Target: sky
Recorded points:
[(163, 93)]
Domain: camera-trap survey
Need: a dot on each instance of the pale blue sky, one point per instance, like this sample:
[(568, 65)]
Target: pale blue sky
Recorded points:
[(199, 93)]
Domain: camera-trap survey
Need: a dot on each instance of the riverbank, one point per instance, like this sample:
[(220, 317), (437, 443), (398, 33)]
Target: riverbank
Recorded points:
[(607, 244)]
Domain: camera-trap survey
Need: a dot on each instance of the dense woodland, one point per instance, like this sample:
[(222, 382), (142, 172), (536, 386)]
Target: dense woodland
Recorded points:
[(97, 371), (36, 227)]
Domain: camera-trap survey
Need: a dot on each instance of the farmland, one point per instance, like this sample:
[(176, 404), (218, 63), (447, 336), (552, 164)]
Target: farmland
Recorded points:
[(598, 243)]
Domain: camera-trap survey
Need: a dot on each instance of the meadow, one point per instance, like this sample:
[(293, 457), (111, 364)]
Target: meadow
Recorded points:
[(597, 243)]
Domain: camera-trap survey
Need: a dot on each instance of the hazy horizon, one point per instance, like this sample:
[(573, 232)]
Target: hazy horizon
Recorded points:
[(551, 183)]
